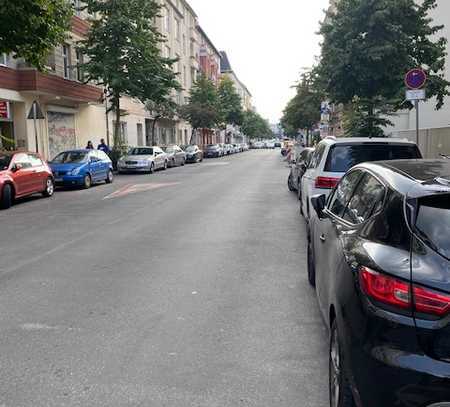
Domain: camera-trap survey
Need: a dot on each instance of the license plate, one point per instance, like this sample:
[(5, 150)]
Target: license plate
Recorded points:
[(58, 179)]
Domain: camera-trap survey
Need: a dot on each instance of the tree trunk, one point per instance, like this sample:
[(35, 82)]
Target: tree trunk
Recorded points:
[(370, 118), (153, 130), (117, 127), (192, 136)]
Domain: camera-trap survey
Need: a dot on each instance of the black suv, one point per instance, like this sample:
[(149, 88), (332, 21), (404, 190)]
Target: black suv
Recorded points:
[(379, 256)]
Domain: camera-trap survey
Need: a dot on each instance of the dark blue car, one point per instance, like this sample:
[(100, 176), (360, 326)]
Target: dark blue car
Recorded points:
[(82, 168)]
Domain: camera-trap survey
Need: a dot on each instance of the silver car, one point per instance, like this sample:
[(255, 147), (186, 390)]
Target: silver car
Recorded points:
[(143, 159), (175, 155)]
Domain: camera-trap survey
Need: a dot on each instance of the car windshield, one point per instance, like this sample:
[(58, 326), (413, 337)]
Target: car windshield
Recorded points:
[(190, 149), (211, 147), (433, 222), (169, 150), (343, 157), (140, 151), (5, 160), (71, 157)]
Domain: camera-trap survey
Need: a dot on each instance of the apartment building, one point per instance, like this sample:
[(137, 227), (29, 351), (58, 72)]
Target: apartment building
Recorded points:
[(242, 90), (69, 107)]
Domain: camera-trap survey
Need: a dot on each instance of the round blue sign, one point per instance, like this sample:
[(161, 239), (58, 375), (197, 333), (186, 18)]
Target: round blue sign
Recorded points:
[(415, 78)]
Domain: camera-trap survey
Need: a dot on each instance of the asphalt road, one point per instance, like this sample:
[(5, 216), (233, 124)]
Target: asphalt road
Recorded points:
[(183, 288)]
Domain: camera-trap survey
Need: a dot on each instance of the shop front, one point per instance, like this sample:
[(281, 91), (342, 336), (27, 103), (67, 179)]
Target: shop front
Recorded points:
[(7, 141)]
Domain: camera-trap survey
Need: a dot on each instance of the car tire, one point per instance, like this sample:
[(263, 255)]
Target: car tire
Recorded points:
[(7, 197), (87, 182), (290, 186), (165, 165), (339, 386), (110, 177), (183, 162), (49, 188), (152, 168), (174, 164), (311, 263)]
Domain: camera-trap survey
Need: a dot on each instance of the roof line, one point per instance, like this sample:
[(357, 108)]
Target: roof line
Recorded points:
[(207, 38)]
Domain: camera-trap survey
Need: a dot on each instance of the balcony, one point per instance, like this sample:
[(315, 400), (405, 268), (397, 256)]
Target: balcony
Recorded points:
[(30, 80)]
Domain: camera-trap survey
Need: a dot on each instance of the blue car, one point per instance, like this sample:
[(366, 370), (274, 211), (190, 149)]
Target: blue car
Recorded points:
[(82, 168)]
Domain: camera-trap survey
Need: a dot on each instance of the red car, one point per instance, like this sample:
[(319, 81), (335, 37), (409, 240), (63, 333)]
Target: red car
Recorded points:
[(23, 174)]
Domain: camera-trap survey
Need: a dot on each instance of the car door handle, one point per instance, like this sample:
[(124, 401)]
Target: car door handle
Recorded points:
[(322, 238)]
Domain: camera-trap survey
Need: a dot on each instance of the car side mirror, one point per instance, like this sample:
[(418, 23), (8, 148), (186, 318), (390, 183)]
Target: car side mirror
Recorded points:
[(319, 202), (17, 167)]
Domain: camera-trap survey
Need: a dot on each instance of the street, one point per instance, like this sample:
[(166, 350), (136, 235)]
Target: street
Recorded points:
[(183, 288)]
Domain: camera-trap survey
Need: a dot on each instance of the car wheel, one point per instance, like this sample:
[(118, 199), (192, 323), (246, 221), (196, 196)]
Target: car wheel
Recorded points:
[(152, 168), (87, 182), (7, 197), (165, 165), (173, 163), (311, 264), (183, 162), (49, 188), (110, 177), (290, 185), (340, 391)]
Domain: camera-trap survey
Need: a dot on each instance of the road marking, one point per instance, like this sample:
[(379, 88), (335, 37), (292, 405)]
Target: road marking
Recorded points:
[(136, 188)]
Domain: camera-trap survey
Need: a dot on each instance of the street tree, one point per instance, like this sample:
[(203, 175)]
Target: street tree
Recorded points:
[(230, 103), (32, 28), (254, 126), (303, 110), (164, 109), (123, 54), (369, 45), (203, 109)]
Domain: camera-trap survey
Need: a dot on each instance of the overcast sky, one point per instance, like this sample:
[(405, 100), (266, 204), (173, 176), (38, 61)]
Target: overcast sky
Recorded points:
[(268, 42)]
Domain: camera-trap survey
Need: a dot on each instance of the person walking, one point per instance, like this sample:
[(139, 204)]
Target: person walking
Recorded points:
[(89, 146), (103, 147)]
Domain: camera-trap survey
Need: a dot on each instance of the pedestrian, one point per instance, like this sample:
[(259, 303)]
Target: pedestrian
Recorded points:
[(103, 146), (89, 146)]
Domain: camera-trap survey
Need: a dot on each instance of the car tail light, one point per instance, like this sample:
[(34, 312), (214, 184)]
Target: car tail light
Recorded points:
[(385, 289), (326, 182), (397, 293), (431, 302)]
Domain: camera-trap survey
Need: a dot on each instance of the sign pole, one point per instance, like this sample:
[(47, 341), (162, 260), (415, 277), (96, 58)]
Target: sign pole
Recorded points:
[(35, 127), (416, 103)]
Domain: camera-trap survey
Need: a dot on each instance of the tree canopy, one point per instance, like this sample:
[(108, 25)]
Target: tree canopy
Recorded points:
[(255, 126), (32, 28), (203, 109), (369, 45), (124, 55), (230, 102)]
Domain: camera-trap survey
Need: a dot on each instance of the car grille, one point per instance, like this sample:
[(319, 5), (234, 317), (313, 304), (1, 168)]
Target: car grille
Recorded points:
[(60, 173), (131, 162)]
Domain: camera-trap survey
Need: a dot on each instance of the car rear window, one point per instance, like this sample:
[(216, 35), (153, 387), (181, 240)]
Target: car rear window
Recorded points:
[(433, 222), (342, 157)]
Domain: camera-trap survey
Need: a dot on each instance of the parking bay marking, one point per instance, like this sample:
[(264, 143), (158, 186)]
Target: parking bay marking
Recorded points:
[(134, 189)]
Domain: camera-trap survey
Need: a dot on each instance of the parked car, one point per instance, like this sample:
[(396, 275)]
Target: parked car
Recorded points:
[(222, 149), (298, 168), (23, 174), (82, 168), (277, 144), (384, 284), (270, 145), (175, 156), (143, 159), (228, 149), (213, 150), (333, 157), (244, 147), (258, 145), (194, 154)]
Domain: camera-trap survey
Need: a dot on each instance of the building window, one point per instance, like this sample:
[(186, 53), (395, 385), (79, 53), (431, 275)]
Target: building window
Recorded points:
[(166, 52), (176, 65), (4, 59), (166, 21), (140, 134), (177, 29), (77, 6), (80, 61), (184, 76), (184, 45), (66, 60)]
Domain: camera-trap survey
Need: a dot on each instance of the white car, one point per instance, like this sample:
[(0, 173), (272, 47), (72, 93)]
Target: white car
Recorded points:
[(333, 157), (143, 159)]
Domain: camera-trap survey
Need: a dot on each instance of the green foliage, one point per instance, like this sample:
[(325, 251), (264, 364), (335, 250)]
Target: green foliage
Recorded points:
[(303, 110), (32, 28), (230, 103), (203, 109), (369, 45), (254, 126), (165, 109), (124, 55)]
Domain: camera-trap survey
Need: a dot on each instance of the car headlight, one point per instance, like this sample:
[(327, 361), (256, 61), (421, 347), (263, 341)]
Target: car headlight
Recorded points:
[(75, 171)]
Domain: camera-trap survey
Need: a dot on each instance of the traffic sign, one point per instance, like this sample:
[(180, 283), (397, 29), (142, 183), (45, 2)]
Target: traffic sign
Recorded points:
[(36, 112), (415, 94), (415, 79)]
